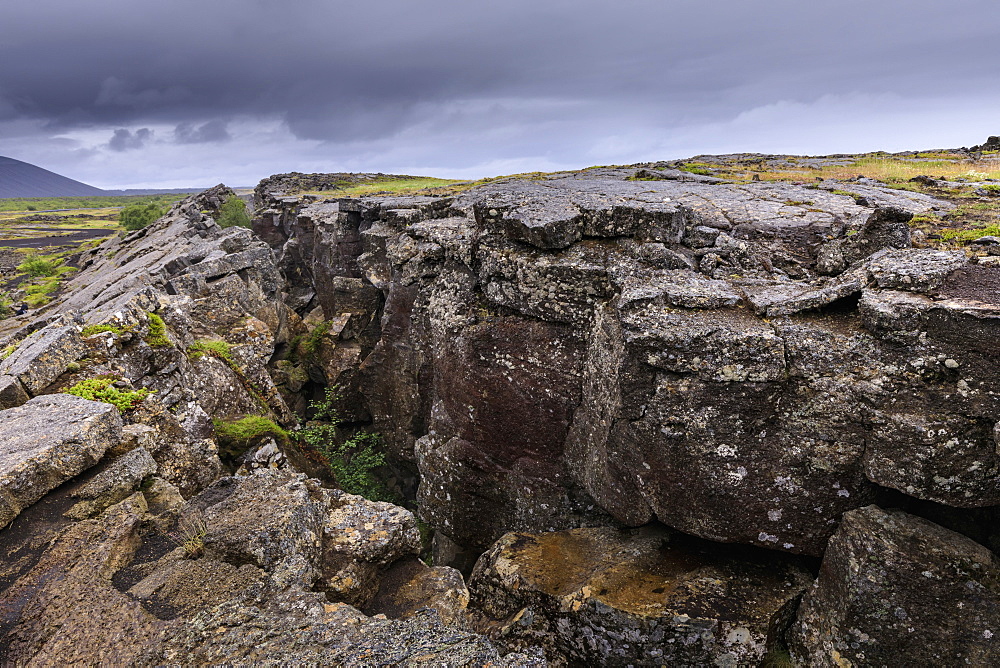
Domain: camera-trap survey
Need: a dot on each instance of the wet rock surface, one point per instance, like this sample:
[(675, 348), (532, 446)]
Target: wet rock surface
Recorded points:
[(600, 595)]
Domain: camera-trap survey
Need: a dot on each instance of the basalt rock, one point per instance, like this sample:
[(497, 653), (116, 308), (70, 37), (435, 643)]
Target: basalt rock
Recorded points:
[(48, 441), (895, 589), (538, 367), (599, 596)]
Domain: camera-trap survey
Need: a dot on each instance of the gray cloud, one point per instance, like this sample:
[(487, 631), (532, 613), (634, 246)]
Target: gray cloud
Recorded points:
[(212, 131), (560, 81), (126, 140)]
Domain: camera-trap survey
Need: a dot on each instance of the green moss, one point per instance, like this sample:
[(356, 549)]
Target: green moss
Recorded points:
[(9, 350), (971, 235), (157, 336), (102, 389), (235, 436), (842, 192), (218, 349), (91, 330)]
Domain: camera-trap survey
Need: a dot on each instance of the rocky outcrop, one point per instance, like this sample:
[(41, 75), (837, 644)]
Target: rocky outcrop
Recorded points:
[(139, 543), (561, 351), (895, 589), (647, 396)]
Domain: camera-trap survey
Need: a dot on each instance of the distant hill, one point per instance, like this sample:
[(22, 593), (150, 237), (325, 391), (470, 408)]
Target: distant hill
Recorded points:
[(21, 179)]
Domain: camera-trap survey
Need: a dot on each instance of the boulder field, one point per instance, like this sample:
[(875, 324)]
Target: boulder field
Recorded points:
[(637, 416)]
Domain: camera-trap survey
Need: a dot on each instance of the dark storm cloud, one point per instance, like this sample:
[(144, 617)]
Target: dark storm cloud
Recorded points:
[(126, 140), (517, 78), (212, 131), (337, 69)]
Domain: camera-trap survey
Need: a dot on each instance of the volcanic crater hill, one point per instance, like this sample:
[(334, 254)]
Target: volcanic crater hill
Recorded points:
[(649, 416), (22, 179)]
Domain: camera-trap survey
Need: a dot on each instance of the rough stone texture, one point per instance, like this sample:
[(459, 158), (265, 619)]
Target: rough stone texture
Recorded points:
[(410, 586), (361, 538), (114, 484), (268, 519), (43, 356), (555, 351), (303, 628), (48, 441), (70, 589), (896, 590), (600, 596), (12, 392)]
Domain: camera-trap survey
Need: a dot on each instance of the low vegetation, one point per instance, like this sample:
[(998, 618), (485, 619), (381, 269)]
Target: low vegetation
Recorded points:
[(213, 348), (157, 336), (102, 388), (137, 216), (6, 305), (352, 462), (91, 330), (406, 186), (38, 266), (236, 436), (233, 213), (31, 204)]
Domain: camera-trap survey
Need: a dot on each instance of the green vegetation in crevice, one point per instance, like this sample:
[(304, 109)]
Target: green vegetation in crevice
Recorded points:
[(157, 336), (91, 330), (213, 348), (352, 462), (236, 436), (102, 388)]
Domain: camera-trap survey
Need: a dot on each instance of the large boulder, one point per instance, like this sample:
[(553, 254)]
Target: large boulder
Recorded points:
[(894, 590), (46, 442)]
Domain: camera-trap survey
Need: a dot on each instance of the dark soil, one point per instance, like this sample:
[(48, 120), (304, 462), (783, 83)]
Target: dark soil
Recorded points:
[(981, 284), (74, 238)]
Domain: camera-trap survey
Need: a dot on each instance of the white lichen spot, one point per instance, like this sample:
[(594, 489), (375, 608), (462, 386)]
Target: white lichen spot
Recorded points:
[(737, 475), (774, 515), (843, 493), (767, 538)]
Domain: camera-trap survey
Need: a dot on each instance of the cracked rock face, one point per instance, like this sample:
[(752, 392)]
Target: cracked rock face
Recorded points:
[(742, 362)]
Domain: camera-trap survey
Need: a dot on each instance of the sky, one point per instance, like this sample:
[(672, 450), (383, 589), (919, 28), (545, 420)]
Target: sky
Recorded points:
[(180, 93)]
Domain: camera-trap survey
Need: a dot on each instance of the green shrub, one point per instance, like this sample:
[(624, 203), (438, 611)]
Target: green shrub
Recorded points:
[(353, 462), (233, 213), (137, 216), (157, 336), (37, 266), (102, 389)]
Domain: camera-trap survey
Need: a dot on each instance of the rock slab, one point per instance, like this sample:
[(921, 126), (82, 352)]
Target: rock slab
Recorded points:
[(46, 442)]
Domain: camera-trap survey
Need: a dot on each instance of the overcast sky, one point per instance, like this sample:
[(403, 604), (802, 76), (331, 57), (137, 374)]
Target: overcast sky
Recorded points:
[(176, 93)]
